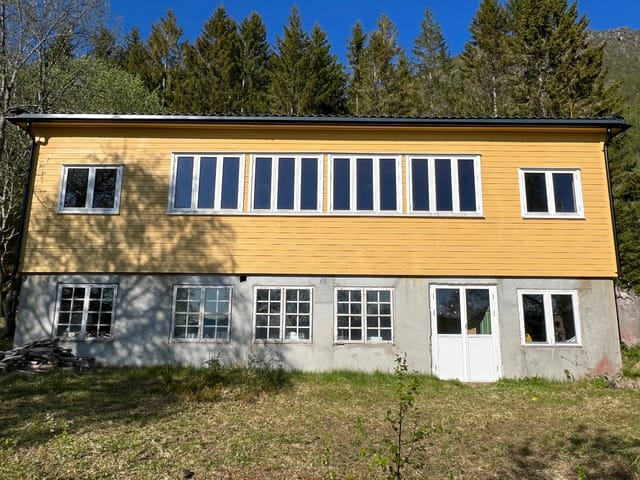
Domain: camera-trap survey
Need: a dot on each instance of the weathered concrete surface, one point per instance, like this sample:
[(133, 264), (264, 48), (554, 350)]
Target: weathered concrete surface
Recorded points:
[(629, 315), (142, 325)]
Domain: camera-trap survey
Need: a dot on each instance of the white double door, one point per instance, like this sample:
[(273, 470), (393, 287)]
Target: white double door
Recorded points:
[(464, 326)]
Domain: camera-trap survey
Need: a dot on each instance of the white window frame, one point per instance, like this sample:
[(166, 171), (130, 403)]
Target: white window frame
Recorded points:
[(297, 184), (283, 313), (551, 203), (363, 314), (548, 317), (199, 338), (455, 188), (195, 182), (82, 335), (353, 184), (90, 189)]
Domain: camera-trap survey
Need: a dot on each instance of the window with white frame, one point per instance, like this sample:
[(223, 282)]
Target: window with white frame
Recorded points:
[(365, 184), (286, 183), (549, 317), (90, 189), (551, 192), (444, 185), (85, 311), (283, 314), (364, 315), (206, 183), (201, 313)]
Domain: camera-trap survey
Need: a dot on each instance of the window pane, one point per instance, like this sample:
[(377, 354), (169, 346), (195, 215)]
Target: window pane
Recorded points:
[(448, 310), (75, 192), (341, 188), (467, 185), (444, 195), (286, 175), (207, 182), (184, 178), (478, 312), (364, 181), (104, 189), (564, 325), (420, 184), (309, 187), (533, 313), (536, 192), (262, 183), (564, 192), (230, 179), (388, 197)]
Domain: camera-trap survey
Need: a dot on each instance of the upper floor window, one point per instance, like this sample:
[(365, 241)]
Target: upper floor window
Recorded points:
[(286, 183), (201, 312), (365, 184), (85, 311), (206, 183), (551, 192), (549, 317), (444, 185), (90, 189)]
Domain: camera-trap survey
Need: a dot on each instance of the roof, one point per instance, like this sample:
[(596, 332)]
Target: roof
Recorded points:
[(614, 124)]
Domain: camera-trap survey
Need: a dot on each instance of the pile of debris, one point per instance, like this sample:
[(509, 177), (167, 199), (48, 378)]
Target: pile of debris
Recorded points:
[(43, 356)]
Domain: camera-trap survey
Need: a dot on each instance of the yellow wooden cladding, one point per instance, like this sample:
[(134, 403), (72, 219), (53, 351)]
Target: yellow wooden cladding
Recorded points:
[(145, 238)]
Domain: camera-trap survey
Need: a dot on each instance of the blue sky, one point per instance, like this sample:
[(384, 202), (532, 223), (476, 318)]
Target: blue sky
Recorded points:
[(336, 17)]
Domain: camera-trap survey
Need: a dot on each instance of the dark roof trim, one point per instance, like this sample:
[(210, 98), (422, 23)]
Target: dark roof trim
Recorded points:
[(614, 123)]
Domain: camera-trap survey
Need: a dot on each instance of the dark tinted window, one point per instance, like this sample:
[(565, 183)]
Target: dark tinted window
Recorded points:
[(75, 193), (207, 182), (341, 184), (388, 195), (420, 184), (536, 192), (184, 179)]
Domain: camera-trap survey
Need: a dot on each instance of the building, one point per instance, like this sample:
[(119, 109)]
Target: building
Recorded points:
[(481, 248)]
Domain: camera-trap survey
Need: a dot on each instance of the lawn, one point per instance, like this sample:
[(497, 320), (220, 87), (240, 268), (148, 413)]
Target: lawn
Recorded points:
[(237, 423)]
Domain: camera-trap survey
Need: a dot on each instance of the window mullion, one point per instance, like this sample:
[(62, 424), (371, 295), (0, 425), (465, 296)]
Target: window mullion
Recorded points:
[(375, 188), (431, 169), (195, 182), (353, 184), (297, 183), (363, 318), (217, 187), (91, 179), (455, 186), (551, 201), (85, 312), (283, 306), (548, 318), (275, 167), (201, 313)]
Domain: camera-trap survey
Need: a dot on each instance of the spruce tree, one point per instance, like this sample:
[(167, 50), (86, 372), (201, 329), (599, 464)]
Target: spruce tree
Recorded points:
[(326, 83), (135, 58), (254, 63), (355, 48), (165, 52)]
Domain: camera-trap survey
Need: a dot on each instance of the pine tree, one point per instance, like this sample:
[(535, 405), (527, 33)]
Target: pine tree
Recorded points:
[(432, 66), (254, 63), (165, 51), (326, 83), (355, 48), (135, 57)]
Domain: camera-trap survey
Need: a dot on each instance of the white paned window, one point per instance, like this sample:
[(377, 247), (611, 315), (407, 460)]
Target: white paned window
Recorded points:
[(85, 311), (364, 315), (283, 314), (286, 183), (549, 317), (365, 184), (206, 183), (201, 313), (90, 189), (551, 193), (444, 185)]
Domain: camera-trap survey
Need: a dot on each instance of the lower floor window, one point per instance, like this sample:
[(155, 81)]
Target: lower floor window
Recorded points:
[(283, 314), (364, 315), (85, 311), (201, 313), (549, 317)]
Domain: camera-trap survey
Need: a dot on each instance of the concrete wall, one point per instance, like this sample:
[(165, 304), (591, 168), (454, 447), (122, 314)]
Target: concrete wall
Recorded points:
[(629, 314), (141, 332)]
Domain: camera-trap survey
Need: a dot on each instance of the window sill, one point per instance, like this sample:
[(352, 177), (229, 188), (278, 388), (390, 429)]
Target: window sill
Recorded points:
[(551, 345), (552, 216), (257, 341), (86, 211), (85, 340), (198, 340)]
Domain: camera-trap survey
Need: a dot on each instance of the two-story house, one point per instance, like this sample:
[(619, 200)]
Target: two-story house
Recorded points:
[(481, 248)]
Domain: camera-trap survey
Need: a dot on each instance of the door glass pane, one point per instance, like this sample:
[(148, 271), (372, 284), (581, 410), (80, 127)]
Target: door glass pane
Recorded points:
[(184, 178), (207, 182), (564, 192), (262, 183), (364, 181), (75, 192), (286, 175), (444, 194), (230, 179), (104, 189), (420, 184), (309, 184), (341, 188), (466, 185), (533, 312), (448, 310), (564, 326), (478, 311), (536, 192), (388, 195)]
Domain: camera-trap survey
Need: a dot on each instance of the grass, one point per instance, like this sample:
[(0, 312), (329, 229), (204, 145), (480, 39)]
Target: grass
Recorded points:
[(248, 423)]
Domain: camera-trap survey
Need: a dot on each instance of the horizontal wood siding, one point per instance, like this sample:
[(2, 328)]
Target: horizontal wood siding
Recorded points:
[(144, 238)]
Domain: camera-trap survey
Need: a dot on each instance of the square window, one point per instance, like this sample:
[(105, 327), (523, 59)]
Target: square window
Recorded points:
[(354, 326), (283, 314), (90, 189), (549, 317), (85, 311), (204, 310)]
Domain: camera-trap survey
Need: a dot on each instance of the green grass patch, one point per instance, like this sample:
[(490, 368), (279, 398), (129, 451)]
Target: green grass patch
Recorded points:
[(631, 361)]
